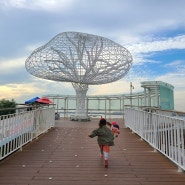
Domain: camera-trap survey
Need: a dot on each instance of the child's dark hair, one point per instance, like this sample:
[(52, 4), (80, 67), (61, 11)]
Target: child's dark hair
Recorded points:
[(102, 122)]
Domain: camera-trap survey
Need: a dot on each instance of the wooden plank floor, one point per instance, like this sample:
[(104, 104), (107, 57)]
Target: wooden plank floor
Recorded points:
[(67, 156)]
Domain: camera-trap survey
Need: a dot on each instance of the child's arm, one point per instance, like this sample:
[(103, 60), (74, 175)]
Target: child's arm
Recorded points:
[(93, 134), (109, 124)]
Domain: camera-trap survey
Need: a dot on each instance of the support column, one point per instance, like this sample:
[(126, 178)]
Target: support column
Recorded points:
[(81, 112)]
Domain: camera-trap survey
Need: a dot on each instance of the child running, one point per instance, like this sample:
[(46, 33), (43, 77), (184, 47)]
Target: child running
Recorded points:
[(105, 139)]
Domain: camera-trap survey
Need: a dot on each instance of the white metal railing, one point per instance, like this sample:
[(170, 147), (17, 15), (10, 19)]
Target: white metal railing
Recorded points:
[(164, 133), (18, 129)]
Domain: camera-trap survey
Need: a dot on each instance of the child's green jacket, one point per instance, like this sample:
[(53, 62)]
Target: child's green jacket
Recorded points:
[(105, 136)]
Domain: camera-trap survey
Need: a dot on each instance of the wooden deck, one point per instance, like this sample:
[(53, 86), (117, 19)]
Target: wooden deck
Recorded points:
[(67, 156)]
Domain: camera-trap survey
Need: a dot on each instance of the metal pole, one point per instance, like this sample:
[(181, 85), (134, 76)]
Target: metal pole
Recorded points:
[(131, 87)]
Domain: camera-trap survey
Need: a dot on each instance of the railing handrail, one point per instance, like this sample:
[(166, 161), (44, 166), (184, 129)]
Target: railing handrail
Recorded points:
[(164, 133), (18, 129)]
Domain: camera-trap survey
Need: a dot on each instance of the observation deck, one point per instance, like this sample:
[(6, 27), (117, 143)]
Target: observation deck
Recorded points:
[(66, 155)]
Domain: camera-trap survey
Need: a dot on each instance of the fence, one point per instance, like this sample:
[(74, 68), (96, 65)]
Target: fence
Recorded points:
[(18, 129), (164, 133)]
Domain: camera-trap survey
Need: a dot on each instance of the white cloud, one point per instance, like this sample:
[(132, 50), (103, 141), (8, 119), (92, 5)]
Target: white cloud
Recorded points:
[(176, 79), (175, 63), (32, 47), (140, 50), (48, 5), (10, 65), (179, 100), (16, 91), (159, 45), (178, 66)]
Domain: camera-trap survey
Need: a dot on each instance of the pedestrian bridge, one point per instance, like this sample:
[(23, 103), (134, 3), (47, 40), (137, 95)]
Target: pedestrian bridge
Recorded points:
[(63, 154)]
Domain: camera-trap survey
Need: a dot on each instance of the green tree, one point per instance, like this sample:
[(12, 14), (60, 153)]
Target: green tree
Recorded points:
[(7, 107)]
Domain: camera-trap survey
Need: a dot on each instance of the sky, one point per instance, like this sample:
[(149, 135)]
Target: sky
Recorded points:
[(152, 30)]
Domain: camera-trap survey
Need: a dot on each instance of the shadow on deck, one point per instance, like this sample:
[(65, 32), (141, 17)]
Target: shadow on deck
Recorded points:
[(66, 156)]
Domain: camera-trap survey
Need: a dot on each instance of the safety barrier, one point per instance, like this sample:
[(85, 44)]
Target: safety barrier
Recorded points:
[(16, 130), (165, 134)]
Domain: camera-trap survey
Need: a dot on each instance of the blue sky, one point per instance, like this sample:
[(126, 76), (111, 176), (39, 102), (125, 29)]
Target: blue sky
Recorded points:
[(152, 30)]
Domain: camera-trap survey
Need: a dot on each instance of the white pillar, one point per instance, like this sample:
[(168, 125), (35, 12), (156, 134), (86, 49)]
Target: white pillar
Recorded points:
[(81, 90)]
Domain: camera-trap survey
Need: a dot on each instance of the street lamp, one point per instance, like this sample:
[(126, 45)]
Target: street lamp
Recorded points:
[(131, 87)]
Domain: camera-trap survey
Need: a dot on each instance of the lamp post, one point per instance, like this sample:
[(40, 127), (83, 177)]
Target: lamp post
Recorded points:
[(131, 87)]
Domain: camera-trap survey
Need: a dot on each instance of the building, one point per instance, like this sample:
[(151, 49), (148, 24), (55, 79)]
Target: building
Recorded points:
[(158, 94)]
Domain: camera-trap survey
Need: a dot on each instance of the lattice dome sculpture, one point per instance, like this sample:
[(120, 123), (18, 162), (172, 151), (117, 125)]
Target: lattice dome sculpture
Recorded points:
[(81, 58)]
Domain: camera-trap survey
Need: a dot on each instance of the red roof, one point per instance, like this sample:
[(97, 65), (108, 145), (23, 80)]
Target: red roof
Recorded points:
[(44, 100)]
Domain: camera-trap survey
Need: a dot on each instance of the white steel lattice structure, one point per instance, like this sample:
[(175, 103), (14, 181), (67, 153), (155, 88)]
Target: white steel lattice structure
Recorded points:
[(82, 59)]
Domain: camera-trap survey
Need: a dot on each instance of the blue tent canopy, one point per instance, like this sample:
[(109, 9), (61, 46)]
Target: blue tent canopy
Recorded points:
[(33, 100)]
